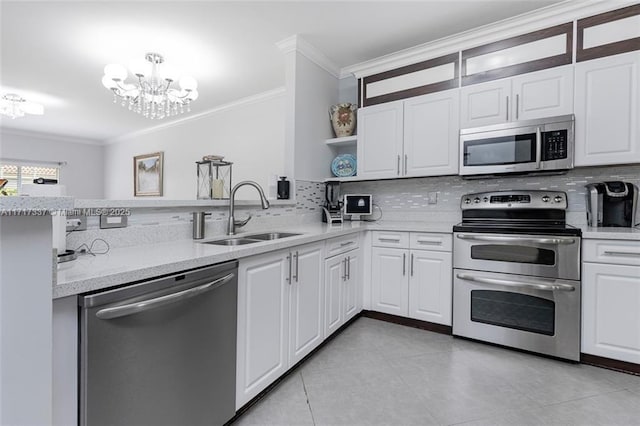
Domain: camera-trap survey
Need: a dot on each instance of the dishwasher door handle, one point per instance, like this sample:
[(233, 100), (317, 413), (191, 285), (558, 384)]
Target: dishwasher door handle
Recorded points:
[(145, 305)]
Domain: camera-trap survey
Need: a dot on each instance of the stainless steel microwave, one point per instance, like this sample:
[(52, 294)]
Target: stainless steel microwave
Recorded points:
[(541, 145)]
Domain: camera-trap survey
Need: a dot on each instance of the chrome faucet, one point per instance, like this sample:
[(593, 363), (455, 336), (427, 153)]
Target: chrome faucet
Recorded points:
[(231, 227)]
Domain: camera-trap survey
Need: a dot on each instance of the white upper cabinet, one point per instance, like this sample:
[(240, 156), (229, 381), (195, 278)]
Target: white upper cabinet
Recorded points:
[(431, 134), (534, 95), (380, 140), (484, 104), (413, 137), (606, 98)]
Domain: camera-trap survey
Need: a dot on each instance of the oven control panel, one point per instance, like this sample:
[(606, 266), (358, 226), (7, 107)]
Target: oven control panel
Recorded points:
[(534, 199)]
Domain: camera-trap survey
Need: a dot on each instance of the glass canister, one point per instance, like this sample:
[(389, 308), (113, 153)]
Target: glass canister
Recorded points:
[(214, 180)]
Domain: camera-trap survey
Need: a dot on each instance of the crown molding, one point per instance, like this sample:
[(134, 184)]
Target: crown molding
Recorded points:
[(49, 136), (295, 43), (555, 14), (240, 102)]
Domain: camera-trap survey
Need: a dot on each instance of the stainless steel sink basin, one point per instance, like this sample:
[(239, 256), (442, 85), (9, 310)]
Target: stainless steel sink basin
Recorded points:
[(232, 242), (271, 236)]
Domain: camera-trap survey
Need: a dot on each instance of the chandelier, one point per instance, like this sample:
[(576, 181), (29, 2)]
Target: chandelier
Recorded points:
[(151, 95), (15, 106)]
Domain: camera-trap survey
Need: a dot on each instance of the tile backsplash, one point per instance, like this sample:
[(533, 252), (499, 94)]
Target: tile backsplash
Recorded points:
[(407, 199), (155, 225)]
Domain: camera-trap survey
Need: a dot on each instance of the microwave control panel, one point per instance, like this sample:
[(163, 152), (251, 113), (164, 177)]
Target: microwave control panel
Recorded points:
[(554, 145)]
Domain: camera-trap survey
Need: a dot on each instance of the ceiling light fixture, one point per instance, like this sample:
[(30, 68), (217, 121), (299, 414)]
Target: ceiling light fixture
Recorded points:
[(15, 106), (150, 96)]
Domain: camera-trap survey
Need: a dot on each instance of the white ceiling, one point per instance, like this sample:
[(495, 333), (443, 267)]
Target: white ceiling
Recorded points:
[(54, 52)]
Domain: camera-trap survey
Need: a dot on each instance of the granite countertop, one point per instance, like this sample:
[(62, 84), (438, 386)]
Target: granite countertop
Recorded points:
[(131, 264), (611, 233), (34, 206)]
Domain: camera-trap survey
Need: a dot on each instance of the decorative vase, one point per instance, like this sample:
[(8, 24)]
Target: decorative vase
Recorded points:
[(343, 119)]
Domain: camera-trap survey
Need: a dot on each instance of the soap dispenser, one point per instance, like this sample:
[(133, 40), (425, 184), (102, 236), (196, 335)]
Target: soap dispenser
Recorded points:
[(283, 188)]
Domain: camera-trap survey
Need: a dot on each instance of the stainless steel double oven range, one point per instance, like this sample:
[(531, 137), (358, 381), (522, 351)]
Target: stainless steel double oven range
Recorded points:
[(517, 272)]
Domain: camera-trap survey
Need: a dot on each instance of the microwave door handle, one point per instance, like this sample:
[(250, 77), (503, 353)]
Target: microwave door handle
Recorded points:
[(548, 241), (535, 285), (538, 147)]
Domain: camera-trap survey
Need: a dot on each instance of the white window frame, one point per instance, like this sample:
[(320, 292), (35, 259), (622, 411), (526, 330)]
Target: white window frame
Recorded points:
[(27, 163)]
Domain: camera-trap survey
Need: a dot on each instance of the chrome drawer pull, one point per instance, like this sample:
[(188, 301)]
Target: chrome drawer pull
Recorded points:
[(536, 285), (346, 244), (551, 241), (430, 242), (145, 305), (390, 240), (621, 253)]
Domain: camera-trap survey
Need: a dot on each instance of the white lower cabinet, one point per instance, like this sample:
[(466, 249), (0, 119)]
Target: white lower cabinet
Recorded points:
[(611, 300), (342, 294), (280, 315), (413, 283)]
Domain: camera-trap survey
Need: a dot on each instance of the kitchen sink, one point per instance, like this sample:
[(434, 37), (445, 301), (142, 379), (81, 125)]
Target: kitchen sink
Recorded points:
[(251, 239), (232, 242), (272, 236)]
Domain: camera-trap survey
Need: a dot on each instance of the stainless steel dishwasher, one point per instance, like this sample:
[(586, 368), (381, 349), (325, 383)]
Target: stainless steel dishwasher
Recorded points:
[(161, 352)]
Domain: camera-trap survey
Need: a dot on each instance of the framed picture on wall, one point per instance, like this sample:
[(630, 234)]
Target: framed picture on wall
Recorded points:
[(147, 174)]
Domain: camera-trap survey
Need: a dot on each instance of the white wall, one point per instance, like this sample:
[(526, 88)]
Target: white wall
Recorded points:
[(82, 175), (249, 133)]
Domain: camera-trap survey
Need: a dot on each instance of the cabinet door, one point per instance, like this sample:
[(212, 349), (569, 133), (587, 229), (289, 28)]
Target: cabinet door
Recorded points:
[(263, 311), (431, 134), (485, 103), (543, 94), (430, 286), (307, 301), (351, 289), (389, 285), (334, 281), (611, 311), (607, 93), (380, 140)]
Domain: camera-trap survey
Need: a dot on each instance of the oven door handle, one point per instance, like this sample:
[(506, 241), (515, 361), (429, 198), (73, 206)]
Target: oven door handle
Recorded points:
[(535, 285), (548, 241)]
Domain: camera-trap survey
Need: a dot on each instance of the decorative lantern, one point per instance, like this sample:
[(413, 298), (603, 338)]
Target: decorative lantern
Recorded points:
[(214, 179)]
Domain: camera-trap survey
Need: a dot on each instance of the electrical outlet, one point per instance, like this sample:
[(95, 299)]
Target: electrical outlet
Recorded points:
[(432, 198), (76, 223)]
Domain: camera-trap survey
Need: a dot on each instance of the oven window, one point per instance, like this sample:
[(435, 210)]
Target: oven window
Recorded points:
[(502, 150), (512, 253), (513, 310)]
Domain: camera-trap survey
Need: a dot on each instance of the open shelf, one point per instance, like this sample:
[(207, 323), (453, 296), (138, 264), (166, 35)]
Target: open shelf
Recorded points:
[(343, 142)]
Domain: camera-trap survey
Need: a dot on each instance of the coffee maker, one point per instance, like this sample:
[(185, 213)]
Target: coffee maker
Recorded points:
[(332, 210), (612, 204)]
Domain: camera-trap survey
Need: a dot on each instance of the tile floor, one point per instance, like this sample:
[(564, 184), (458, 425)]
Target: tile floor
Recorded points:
[(377, 373)]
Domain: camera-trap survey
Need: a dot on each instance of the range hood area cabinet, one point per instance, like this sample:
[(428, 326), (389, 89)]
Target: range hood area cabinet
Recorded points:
[(408, 138), (607, 110), (540, 94)]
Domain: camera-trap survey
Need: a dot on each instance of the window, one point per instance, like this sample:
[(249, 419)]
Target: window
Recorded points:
[(18, 174)]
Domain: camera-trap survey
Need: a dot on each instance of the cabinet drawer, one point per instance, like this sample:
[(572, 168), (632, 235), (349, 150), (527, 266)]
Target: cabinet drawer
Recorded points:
[(339, 245), (430, 241), (390, 239), (618, 252)]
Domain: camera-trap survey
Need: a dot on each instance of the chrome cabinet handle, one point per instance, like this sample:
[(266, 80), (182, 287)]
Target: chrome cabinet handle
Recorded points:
[(621, 253), (517, 105), (349, 267), (295, 256), (507, 118), (411, 264), (398, 172), (406, 160), (346, 244), (343, 264), (404, 264), (434, 242), (145, 305), (290, 262), (538, 147), (536, 285), (390, 240), (548, 241)]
